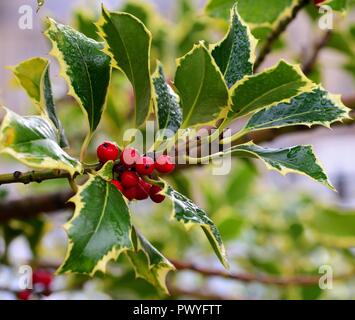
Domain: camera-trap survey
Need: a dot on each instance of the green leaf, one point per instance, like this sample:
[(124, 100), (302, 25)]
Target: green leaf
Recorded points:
[(84, 66), (167, 104), (235, 54), (35, 142), (333, 227), (265, 13), (85, 23), (190, 214), (203, 92), (33, 76), (338, 5), (128, 42), (219, 8), (310, 108), (275, 85), (100, 229), (298, 159), (258, 14), (149, 263)]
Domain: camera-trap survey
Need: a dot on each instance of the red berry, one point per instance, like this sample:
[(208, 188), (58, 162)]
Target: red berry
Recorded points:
[(107, 151), (130, 193), (145, 185), (141, 191), (164, 164), (318, 2), (129, 157), (24, 295), (154, 194), (43, 277), (129, 179), (145, 166), (117, 185)]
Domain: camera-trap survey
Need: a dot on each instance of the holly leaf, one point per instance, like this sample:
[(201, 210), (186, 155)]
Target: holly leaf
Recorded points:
[(298, 159), (167, 104), (190, 214), (275, 85), (235, 54), (317, 107), (128, 42), (100, 229), (33, 76), (34, 141), (200, 84), (149, 263), (84, 66)]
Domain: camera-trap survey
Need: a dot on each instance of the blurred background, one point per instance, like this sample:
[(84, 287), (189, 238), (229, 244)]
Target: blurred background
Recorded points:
[(275, 228)]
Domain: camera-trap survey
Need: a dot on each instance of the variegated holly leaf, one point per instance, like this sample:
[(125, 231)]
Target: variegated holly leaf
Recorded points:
[(33, 76), (128, 43), (149, 263), (235, 54), (317, 107), (278, 84), (187, 212), (298, 159), (34, 141), (84, 66), (167, 103), (200, 84), (100, 229)]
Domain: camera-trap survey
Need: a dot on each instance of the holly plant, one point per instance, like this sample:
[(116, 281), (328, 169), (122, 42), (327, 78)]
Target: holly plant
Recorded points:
[(214, 86)]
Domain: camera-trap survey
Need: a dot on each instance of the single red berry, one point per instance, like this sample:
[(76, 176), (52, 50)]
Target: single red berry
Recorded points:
[(129, 179), (164, 164), (130, 193), (154, 194), (145, 185), (117, 185), (129, 157), (43, 277), (145, 166), (24, 295), (107, 151), (141, 191), (318, 2)]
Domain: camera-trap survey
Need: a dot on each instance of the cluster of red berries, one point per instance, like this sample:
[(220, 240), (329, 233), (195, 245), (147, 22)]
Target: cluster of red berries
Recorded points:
[(41, 281), (131, 169)]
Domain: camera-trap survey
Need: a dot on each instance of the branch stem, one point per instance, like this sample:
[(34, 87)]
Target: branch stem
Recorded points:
[(275, 34)]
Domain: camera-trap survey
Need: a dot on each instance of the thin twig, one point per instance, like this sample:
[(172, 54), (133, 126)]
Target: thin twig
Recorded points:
[(275, 34), (302, 280), (40, 175), (175, 291), (309, 64)]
